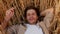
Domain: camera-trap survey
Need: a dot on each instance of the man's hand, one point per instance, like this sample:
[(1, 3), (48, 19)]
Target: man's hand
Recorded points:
[(9, 14), (43, 13)]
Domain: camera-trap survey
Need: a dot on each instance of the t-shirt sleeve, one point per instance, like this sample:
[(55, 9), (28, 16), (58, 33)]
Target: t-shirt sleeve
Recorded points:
[(12, 29), (48, 18)]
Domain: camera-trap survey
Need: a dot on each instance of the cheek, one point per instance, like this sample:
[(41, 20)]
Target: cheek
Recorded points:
[(27, 17), (32, 18), (35, 18)]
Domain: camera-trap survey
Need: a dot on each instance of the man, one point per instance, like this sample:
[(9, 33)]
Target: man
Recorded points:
[(31, 15)]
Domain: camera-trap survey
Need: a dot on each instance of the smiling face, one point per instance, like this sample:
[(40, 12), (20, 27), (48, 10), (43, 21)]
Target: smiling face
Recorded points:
[(31, 16)]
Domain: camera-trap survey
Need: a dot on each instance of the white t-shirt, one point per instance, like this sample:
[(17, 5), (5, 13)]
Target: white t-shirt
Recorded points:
[(33, 29)]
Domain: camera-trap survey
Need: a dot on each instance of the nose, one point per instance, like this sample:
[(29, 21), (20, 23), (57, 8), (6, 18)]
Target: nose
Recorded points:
[(31, 15)]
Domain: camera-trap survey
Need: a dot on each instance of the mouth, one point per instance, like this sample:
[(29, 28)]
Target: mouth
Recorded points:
[(31, 19)]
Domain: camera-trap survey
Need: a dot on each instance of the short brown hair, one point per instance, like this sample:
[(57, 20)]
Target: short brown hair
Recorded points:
[(32, 7)]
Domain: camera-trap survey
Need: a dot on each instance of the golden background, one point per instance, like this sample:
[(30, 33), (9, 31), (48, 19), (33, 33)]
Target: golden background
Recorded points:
[(20, 5)]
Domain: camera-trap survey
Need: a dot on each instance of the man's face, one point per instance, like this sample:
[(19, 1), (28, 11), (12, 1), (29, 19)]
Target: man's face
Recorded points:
[(31, 16)]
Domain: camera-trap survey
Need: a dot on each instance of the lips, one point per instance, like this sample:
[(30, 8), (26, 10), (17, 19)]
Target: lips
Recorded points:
[(31, 19)]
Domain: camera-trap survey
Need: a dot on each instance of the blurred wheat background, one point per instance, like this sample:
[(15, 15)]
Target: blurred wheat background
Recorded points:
[(20, 5)]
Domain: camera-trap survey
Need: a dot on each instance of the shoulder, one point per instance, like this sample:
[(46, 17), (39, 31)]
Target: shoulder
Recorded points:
[(41, 23), (22, 29), (22, 26), (43, 26), (12, 29)]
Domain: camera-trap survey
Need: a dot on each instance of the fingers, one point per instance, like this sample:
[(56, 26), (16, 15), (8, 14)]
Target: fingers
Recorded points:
[(12, 9), (9, 14), (9, 11)]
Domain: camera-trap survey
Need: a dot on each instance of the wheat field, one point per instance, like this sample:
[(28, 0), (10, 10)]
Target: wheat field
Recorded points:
[(20, 5)]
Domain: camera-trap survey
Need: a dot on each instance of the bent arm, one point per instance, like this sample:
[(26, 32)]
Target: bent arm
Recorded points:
[(8, 15), (48, 16)]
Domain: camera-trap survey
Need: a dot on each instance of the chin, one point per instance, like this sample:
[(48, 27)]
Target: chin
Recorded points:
[(31, 22)]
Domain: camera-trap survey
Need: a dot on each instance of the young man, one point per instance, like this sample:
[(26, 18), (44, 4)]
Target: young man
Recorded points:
[(32, 25)]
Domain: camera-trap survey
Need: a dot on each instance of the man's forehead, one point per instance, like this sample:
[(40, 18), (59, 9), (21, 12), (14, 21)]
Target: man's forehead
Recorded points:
[(30, 11)]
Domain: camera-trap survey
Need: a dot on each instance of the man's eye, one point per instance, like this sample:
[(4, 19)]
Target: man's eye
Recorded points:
[(28, 14), (33, 14)]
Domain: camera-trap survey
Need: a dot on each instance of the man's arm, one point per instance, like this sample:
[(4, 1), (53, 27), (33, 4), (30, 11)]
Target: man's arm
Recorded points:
[(48, 13), (8, 15)]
